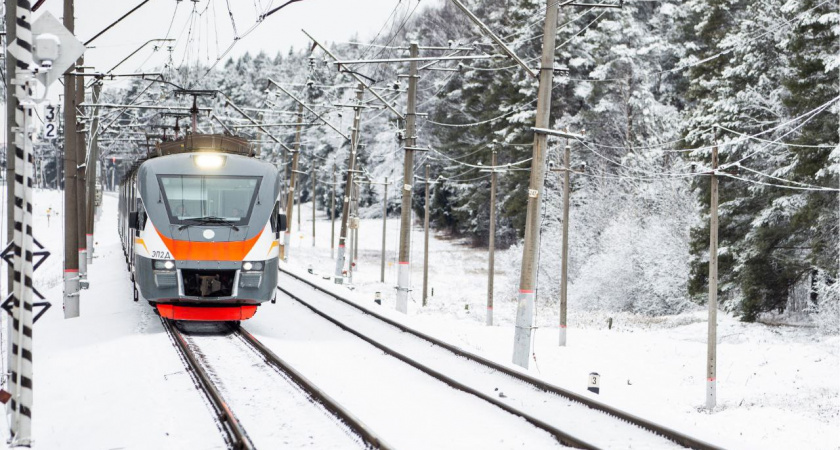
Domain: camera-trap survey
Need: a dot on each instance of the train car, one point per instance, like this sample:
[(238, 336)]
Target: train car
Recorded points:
[(200, 223)]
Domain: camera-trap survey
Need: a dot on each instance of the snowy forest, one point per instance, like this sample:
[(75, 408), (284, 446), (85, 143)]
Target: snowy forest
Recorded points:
[(654, 85)]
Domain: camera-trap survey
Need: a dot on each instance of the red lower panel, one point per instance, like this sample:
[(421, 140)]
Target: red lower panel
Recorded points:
[(208, 313)]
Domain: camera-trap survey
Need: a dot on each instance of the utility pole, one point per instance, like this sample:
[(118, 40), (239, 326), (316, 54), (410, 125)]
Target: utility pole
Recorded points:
[(426, 243), (93, 161), (354, 227), (292, 177), (567, 156), (81, 165), (384, 228), (332, 216), (11, 107), (71, 222), (711, 369), (314, 186), (348, 184), (298, 206), (404, 269), (492, 247), (527, 281)]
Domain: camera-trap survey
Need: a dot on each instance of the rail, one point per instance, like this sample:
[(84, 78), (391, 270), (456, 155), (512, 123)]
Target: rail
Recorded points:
[(236, 436), (668, 433)]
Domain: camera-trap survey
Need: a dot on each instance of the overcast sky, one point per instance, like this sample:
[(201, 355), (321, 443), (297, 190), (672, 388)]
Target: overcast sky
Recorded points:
[(204, 29)]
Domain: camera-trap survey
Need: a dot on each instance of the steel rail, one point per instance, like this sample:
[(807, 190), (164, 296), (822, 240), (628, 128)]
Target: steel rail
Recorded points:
[(237, 437), (668, 433), (371, 439), (561, 436)]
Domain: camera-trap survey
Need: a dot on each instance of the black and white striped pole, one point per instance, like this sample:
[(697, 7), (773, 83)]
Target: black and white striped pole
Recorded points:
[(21, 360), (52, 40)]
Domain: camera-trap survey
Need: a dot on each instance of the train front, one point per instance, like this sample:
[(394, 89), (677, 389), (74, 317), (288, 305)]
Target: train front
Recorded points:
[(207, 234)]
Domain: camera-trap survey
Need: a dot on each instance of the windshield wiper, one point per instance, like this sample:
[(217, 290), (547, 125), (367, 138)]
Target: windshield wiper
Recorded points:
[(209, 220)]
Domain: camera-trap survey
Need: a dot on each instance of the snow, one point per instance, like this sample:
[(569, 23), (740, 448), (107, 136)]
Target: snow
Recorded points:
[(112, 379)]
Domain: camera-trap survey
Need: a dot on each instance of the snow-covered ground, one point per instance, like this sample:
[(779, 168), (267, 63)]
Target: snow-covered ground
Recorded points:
[(778, 387), (111, 379)]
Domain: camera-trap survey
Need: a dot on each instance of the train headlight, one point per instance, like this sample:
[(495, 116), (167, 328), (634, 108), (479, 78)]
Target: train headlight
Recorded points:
[(209, 160), (253, 265), (164, 264)]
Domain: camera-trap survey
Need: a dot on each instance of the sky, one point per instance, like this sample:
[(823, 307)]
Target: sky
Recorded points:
[(203, 30)]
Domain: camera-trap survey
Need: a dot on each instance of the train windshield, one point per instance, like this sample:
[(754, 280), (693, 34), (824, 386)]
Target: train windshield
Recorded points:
[(197, 198)]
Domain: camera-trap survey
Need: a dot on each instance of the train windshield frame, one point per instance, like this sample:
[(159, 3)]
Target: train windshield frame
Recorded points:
[(196, 199)]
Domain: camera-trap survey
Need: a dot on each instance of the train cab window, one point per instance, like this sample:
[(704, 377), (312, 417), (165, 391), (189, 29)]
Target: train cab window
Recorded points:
[(197, 198)]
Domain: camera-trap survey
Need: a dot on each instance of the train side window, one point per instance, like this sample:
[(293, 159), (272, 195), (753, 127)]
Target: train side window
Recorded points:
[(141, 215), (273, 220)]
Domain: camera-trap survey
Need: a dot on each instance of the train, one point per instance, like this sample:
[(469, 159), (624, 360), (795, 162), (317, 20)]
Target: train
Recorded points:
[(200, 221)]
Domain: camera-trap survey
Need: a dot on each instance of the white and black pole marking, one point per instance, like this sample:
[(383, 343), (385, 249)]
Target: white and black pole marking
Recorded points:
[(22, 304), (594, 383)]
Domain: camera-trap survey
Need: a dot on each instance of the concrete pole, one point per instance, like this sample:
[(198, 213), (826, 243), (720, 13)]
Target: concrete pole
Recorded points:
[(357, 192), (314, 189), (711, 369), (11, 107), (332, 216), (530, 252), (71, 222), (384, 228), (298, 207), (290, 200), (492, 247), (564, 276), (93, 162), (354, 236), (426, 243), (348, 185), (404, 269), (81, 188)]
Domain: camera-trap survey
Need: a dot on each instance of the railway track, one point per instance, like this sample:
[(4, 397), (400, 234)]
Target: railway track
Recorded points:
[(586, 423), (279, 405)]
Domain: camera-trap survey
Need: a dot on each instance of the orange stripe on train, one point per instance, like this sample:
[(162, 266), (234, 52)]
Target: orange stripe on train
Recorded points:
[(209, 251)]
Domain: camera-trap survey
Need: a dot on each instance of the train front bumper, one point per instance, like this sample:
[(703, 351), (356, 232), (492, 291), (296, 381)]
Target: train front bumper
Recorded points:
[(209, 283)]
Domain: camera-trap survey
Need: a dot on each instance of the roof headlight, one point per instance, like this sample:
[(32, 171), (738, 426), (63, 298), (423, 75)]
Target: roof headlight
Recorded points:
[(209, 160)]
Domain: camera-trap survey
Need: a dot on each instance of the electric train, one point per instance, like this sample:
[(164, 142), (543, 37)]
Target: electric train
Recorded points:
[(200, 222)]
